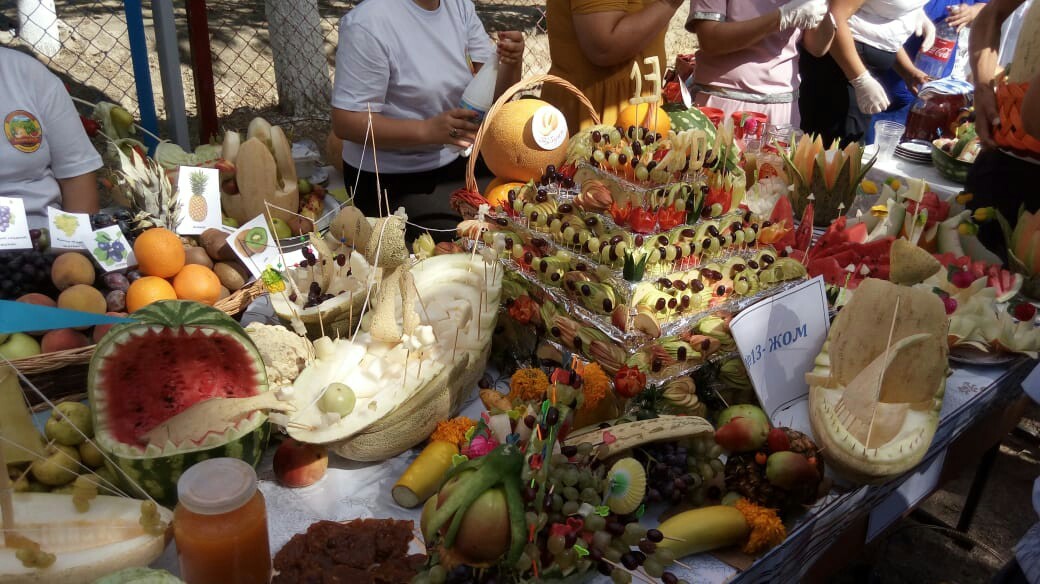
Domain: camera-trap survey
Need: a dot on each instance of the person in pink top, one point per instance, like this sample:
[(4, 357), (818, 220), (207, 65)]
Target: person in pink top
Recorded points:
[(748, 60)]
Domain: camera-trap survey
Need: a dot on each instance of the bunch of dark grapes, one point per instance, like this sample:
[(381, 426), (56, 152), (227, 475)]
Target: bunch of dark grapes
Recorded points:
[(24, 272), (551, 176), (5, 218), (669, 475), (122, 218)]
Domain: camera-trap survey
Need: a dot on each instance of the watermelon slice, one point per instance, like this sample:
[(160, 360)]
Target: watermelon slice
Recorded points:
[(783, 213), (803, 235), (1004, 282), (177, 354)]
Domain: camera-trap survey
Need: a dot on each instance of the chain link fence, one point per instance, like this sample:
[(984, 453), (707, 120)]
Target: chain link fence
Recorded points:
[(84, 42)]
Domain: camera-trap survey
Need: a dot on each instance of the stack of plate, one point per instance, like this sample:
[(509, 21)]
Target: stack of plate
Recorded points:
[(918, 151)]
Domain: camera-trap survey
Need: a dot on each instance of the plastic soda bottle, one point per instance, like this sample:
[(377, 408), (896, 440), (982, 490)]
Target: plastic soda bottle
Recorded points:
[(933, 61), (479, 95)]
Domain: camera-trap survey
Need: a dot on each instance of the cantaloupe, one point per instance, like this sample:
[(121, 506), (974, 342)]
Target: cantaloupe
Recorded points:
[(646, 115), (509, 147)]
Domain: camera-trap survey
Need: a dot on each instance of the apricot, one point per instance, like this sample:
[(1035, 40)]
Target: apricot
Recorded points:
[(83, 298), (297, 464), (63, 339), (70, 269), (38, 299)]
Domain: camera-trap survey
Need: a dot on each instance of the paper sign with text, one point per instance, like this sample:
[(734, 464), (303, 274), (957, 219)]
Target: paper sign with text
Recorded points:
[(255, 246), (68, 230), (14, 227), (110, 249), (198, 193), (779, 338)]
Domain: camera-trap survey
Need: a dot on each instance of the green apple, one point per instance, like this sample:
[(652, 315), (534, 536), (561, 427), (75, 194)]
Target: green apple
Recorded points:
[(70, 429), (304, 186), (339, 194), (19, 346), (280, 228), (122, 120), (229, 221)]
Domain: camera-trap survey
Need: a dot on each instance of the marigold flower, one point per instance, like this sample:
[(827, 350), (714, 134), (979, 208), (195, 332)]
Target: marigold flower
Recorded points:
[(528, 385), (453, 430)]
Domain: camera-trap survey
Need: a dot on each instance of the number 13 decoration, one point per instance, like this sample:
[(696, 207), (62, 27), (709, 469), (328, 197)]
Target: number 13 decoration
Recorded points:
[(654, 77)]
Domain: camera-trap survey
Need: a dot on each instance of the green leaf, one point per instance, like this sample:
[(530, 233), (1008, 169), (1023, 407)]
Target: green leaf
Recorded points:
[(101, 254), (103, 237)]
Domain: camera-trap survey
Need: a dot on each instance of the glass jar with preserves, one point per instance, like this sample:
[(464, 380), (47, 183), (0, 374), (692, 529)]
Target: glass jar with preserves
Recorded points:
[(220, 524)]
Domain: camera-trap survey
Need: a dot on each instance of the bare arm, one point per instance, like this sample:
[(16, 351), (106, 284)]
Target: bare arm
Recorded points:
[(818, 40), (984, 50), (510, 60), (394, 133), (79, 194), (1031, 108), (912, 76), (611, 38), (844, 47), (723, 38)]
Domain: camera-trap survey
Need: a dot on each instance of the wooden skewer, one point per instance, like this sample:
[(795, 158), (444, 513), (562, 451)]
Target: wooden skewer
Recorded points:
[(635, 573)]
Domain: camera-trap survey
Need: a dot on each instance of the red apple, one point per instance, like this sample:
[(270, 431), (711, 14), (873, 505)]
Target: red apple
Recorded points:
[(297, 464), (62, 339), (101, 329)]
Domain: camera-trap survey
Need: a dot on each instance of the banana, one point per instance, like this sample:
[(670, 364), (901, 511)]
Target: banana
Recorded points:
[(647, 294), (630, 435), (550, 269), (704, 529)]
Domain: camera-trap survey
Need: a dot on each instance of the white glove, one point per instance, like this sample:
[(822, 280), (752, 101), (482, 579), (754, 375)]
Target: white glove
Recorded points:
[(870, 95), (802, 14), (924, 27)]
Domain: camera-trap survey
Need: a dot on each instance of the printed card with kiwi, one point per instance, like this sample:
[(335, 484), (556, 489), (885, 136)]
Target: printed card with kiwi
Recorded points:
[(255, 246)]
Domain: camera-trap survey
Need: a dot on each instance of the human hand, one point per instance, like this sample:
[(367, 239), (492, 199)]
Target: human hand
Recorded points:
[(986, 114), (962, 15), (925, 28), (510, 47), (453, 127), (802, 14), (870, 95), (914, 79)]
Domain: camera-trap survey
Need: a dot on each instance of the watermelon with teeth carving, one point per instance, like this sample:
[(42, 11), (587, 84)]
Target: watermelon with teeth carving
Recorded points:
[(177, 353)]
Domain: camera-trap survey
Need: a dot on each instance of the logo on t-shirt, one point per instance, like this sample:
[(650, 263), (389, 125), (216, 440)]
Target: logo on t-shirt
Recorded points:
[(23, 131)]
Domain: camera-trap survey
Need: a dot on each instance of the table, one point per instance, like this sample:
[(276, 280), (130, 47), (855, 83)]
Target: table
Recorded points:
[(904, 169), (978, 409)]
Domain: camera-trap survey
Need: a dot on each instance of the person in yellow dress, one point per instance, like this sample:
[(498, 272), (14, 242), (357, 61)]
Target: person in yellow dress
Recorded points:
[(593, 44)]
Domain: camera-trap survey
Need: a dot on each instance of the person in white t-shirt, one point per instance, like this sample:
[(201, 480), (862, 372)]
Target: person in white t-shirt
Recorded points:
[(46, 158), (408, 62), (840, 91)]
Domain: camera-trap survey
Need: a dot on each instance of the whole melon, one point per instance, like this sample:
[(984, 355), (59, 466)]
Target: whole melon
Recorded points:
[(177, 353), (646, 115), (509, 148)]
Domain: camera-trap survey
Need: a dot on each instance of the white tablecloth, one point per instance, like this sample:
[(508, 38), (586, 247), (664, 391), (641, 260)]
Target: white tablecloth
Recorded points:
[(904, 169)]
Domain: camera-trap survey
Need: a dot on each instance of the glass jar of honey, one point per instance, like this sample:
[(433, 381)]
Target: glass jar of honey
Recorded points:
[(220, 524)]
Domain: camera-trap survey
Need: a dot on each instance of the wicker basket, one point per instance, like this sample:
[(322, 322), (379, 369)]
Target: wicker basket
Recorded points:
[(465, 206), (1011, 132), (63, 373)]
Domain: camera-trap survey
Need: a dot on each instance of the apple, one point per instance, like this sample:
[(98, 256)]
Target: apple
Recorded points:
[(304, 186), (280, 228), (19, 346), (101, 329), (297, 464)]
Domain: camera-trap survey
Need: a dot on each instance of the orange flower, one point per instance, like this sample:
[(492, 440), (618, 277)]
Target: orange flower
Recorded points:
[(767, 531), (528, 385), (594, 385), (453, 430)]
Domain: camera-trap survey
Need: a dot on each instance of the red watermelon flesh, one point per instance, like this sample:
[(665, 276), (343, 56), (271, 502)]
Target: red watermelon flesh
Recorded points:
[(938, 210), (195, 367), (803, 236), (783, 212), (1004, 282)]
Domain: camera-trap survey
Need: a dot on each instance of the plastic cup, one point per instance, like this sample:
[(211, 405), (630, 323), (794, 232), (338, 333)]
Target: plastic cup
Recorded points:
[(749, 125), (886, 136)]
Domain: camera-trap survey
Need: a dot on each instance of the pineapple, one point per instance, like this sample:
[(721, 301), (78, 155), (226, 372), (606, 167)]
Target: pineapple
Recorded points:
[(197, 207), (147, 189), (746, 476)]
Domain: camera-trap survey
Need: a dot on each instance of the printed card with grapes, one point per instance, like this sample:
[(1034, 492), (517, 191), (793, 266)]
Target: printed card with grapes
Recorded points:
[(110, 249), (14, 229), (68, 230)]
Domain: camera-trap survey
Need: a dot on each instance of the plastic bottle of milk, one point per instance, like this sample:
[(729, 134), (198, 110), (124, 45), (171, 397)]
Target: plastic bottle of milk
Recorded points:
[(479, 95)]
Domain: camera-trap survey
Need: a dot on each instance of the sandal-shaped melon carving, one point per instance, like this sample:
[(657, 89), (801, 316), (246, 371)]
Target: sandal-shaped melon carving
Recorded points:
[(874, 406)]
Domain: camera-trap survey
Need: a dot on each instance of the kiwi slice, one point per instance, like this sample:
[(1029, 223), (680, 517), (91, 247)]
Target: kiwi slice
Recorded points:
[(255, 239), (626, 486)]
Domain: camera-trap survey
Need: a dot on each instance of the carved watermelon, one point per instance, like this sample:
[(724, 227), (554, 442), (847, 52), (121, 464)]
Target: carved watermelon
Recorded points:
[(690, 119), (177, 354)]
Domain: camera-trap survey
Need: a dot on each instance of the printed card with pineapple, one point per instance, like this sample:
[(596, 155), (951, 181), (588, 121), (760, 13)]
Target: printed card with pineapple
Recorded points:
[(110, 249), (198, 194), (14, 228), (256, 247), (68, 230)]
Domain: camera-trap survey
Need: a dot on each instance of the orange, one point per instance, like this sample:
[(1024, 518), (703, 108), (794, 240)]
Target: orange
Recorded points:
[(159, 253), (645, 115), (198, 283), (147, 290), (498, 195)]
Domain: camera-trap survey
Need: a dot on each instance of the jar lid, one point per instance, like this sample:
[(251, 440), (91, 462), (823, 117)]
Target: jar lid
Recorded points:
[(217, 485)]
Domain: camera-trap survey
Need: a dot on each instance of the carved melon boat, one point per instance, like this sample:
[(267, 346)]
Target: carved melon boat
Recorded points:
[(423, 349)]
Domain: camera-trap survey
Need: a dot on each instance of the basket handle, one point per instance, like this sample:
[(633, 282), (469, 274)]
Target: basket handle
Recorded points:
[(507, 95)]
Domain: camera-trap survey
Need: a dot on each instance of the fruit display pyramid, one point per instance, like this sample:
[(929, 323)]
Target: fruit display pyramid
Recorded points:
[(636, 252)]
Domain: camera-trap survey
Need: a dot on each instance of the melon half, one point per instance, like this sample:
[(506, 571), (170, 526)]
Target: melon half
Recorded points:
[(509, 147)]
